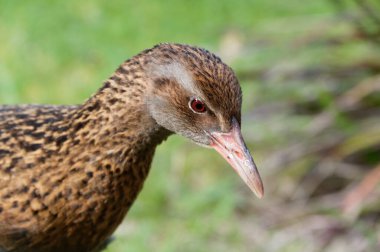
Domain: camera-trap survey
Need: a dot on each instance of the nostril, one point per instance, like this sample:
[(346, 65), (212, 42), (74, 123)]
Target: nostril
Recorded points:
[(238, 154)]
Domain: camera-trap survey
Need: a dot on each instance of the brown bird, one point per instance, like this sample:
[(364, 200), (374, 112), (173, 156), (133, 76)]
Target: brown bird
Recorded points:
[(69, 174)]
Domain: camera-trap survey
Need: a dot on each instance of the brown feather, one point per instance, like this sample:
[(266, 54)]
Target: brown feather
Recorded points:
[(69, 174)]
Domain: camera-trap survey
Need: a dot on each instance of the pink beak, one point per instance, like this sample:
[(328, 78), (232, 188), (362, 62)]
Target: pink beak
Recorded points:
[(232, 147)]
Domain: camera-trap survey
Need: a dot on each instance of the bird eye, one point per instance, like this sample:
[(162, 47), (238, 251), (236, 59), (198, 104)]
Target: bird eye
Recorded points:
[(197, 105)]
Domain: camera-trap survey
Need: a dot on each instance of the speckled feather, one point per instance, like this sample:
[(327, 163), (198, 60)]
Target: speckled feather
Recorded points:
[(69, 174)]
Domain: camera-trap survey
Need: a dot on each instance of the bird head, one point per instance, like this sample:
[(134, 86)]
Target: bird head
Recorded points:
[(194, 94)]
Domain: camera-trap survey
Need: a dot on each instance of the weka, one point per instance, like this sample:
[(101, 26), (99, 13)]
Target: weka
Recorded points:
[(69, 174)]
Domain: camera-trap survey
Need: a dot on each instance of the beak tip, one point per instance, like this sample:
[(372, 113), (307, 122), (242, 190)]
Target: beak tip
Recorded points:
[(259, 191), (260, 194), (256, 185)]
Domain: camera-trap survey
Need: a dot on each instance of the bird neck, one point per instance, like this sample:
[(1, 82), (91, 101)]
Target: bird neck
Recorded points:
[(119, 109), (109, 144)]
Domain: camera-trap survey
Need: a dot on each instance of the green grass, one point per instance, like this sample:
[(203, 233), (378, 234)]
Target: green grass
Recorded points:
[(62, 51)]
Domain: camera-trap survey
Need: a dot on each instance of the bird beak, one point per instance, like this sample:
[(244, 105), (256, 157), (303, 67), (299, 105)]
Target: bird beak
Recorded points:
[(232, 147)]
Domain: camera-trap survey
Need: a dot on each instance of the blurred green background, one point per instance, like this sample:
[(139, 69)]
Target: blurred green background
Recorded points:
[(310, 73)]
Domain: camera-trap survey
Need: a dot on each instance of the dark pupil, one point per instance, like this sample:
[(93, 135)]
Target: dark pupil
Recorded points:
[(199, 106)]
